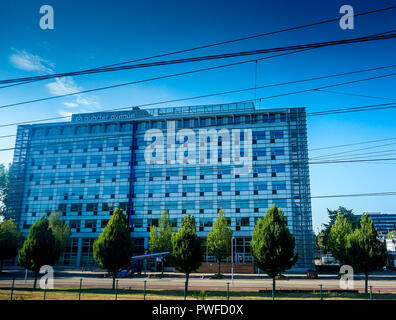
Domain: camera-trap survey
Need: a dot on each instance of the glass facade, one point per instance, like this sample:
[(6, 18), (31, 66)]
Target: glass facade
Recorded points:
[(97, 162), (383, 222)]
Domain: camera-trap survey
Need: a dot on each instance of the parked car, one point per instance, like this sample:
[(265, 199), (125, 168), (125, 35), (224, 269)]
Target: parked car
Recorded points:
[(126, 273), (328, 259), (312, 274)]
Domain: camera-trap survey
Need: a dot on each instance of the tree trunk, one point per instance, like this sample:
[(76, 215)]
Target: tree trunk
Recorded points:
[(114, 279), (1, 265), (366, 282), (273, 287), (35, 280), (186, 284), (219, 268)]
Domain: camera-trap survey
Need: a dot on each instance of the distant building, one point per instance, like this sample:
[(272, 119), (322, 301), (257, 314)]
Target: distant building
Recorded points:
[(383, 222), (391, 249)]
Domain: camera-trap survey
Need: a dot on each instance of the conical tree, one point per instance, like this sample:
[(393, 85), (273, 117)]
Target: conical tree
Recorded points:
[(39, 249), (272, 244), (113, 249), (365, 252), (10, 240), (338, 238), (187, 251), (160, 238), (347, 213), (60, 231), (218, 241)]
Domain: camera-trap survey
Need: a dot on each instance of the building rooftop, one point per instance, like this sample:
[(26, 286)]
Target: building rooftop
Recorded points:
[(380, 214), (237, 108), (137, 112)]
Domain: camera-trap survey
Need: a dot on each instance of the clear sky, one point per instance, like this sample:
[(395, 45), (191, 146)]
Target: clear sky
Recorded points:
[(94, 33)]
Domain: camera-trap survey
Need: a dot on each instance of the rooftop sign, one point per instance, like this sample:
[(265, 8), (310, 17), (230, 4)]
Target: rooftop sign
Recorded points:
[(107, 116)]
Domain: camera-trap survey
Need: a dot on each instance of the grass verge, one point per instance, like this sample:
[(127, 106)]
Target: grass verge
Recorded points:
[(159, 294)]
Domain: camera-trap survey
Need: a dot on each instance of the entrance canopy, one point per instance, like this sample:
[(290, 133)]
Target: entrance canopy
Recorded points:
[(150, 256)]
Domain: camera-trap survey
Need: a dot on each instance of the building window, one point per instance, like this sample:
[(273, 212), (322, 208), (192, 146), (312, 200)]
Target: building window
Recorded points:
[(279, 185), (76, 207), (242, 221), (276, 134)]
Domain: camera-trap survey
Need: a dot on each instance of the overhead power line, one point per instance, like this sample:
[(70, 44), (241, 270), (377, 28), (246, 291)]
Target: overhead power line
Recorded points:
[(327, 112), (356, 95), (329, 86), (148, 79), (365, 155), (206, 58), (349, 161), (219, 93), (104, 137), (74, 178), (349, 110), (373, 194), (79, 175), (352, 144), (233, 40), (353, 155), (355, 150), (260, 35)]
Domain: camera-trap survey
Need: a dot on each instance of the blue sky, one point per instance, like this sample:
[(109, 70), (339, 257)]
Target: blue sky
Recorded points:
[(94, 33)]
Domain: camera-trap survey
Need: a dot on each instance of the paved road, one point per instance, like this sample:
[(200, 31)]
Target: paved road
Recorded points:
[(383, 282)]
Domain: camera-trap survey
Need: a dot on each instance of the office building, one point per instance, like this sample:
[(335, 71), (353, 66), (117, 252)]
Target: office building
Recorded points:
[(237, 157), (383, 222)]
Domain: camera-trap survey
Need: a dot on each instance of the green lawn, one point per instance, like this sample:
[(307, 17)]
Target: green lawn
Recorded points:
[(158, 294)]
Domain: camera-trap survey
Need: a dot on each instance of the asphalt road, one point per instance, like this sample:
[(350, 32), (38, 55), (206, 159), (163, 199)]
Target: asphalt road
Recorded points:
[(383, 282)]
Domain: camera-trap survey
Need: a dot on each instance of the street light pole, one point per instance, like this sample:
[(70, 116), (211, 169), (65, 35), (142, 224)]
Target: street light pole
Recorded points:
[(232, 260)]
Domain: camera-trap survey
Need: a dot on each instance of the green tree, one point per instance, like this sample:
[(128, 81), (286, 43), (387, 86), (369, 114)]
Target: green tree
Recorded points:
[(218, 241), (10, 240), (272, 244), (338, 238), (160, 238), (4, 185), (114, 247), (39, 249), (187, 251), (60, 231), (348, 214), (365, 252), (319, 244), (391, 234)]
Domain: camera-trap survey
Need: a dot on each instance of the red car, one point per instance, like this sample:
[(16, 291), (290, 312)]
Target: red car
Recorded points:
[(312, 274)]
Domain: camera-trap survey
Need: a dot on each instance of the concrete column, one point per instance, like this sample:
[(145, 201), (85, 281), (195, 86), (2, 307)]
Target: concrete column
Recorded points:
[(79, 252), (146, 243)]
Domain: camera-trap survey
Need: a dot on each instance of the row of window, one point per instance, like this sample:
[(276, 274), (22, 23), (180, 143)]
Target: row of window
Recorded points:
[(140, 207), (208, 187), (202, 222), (154, 190), (153, 173), (82, 146), (112, 160), (156, 124), (126, 157), (77, 225)]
